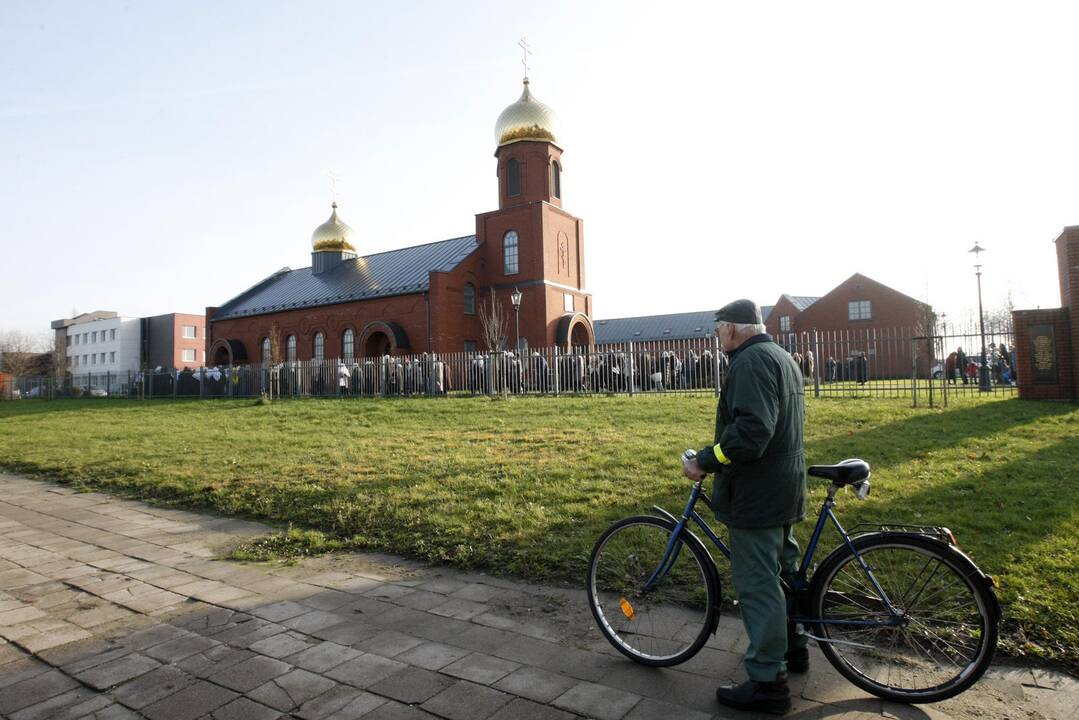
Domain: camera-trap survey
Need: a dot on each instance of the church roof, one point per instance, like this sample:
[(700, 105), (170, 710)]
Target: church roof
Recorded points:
[(676, 326), (396, 272), (801, 302)]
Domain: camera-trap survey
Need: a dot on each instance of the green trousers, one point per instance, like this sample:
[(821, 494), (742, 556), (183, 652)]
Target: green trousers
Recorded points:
[(759, 557)]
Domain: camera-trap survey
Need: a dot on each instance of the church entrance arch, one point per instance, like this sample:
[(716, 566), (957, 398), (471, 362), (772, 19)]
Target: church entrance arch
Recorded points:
[(377, 345), (227, 352), (574, 330), (383, 338)]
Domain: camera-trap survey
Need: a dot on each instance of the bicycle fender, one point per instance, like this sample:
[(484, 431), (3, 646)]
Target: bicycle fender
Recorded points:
[(714, 584), (970, 568)]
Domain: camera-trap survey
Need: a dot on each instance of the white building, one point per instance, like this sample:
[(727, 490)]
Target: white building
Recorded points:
[(103, 345)]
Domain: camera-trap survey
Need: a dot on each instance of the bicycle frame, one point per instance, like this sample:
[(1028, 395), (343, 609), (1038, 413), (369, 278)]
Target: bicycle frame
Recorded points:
[(674, 547)]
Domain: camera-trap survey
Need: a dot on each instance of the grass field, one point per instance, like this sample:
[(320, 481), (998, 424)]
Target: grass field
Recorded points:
[(524, 486)]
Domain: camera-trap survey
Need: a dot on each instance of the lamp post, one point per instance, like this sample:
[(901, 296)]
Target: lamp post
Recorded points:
[(983, 371), (515, 298)]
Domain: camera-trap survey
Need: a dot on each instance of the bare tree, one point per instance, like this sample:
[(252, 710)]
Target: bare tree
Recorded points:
[(20, 352), (276, 356), (493, 323)]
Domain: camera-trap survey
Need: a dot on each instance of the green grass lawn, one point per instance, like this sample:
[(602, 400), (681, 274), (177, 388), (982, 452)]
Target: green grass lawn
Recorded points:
[(524, 486)]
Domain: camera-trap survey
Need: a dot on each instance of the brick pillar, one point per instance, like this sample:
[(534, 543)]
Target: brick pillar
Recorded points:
[(1068, 265)]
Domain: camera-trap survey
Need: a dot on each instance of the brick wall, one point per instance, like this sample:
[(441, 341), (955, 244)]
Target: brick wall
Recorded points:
[(1061, 322)]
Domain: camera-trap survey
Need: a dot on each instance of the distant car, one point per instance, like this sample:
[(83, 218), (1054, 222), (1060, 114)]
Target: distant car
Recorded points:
[(937, 371), (95, 391), (38, 391)]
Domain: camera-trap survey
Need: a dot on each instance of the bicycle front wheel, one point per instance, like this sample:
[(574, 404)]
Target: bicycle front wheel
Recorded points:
[(946, 631), (666, 624)]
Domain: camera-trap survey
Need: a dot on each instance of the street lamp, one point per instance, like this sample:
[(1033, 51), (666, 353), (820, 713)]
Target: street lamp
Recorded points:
[(983, 371), (515, 298)]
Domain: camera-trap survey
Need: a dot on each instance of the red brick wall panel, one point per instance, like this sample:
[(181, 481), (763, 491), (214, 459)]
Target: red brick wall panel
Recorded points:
[(1062, 321)]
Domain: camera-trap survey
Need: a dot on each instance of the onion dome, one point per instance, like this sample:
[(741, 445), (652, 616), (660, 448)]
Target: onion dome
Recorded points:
[(526, 119), (332, 235)]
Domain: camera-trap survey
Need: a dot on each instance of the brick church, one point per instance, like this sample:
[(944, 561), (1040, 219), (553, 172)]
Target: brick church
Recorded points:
[(427, 298)]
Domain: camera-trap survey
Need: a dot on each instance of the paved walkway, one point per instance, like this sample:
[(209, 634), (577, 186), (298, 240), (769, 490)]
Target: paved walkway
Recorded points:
[(113, 609)]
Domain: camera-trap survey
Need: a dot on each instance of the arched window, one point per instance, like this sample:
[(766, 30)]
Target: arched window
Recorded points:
[(320, 346), (347, 343), (509, 253), (556, 180), (470, 299), (513, 178), (290, 349), (266, 350)]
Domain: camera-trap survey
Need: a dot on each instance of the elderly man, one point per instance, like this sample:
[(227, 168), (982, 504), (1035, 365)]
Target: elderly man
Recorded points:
[(759, 494)]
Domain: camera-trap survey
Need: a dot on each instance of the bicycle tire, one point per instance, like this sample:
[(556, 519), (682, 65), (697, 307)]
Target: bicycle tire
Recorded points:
[(963, 631), (685, 595)]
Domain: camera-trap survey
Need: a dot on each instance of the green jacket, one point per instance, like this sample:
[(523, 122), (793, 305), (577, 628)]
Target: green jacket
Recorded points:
[(759, 427)]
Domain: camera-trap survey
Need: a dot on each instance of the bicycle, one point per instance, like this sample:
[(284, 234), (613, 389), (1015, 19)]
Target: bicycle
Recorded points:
[(898, 610)]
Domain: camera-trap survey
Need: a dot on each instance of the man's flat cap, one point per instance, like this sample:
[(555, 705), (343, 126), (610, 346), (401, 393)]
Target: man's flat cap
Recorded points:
[(744, 312)]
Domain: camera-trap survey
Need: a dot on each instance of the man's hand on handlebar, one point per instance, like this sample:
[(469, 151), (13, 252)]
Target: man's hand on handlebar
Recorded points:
[(692, 470)]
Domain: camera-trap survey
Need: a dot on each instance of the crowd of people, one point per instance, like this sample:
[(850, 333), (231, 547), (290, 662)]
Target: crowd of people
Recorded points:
[(999, 358)]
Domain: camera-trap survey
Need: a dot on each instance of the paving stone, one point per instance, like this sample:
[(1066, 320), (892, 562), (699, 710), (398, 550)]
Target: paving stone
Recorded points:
[(535, 684), (443, 585), (327, 703), (245, 709), (194, 701), (313, 620), (99, 616), (279, 646), (54, 637), (459, 609), (348, 633), (213, 660), (34, 690), (432, 655), (152, 686), (598, 701), (388, 591), (421, 600), (649, 709), (365, 705), (388, 643), (152, 636), (21, 615), (484, 639), (78, 703), (114, 672), (393, 710), (327, 600), (324, 656), (521, 709), (476, 592), (250, 674), (291, 689), (466, 701), (480, 668), (365, 670), (176, 650), (86, 654), (412, 685)]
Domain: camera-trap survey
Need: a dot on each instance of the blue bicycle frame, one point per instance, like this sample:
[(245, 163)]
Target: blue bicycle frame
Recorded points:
[(674, 547)]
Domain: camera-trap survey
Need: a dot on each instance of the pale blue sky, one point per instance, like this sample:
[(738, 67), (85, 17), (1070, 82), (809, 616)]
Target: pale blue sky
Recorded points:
[(159, 157)]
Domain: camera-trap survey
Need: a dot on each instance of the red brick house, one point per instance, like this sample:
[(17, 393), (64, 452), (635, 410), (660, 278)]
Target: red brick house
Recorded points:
[(426, 298)]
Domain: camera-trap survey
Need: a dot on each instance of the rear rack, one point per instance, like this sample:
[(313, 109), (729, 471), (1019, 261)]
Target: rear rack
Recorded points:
[(936, 532)]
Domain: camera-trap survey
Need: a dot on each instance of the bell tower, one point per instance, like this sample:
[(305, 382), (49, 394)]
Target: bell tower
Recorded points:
[(531, 243)]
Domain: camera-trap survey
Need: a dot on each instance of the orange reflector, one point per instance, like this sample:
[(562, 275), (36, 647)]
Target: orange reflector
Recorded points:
[(627, 609)]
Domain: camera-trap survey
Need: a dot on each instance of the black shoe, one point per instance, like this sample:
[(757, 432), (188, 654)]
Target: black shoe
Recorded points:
[(770, 697), (798, 660)]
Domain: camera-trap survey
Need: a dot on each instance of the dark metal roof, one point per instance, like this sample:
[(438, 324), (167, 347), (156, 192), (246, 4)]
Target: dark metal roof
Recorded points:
[(396, 272), (677, 326), (801, 301)]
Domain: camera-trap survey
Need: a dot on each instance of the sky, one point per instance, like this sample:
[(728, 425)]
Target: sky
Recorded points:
[(162, 157)]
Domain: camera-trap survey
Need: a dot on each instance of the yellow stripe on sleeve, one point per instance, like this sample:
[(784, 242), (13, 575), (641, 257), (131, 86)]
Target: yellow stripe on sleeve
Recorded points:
[(723, 459)]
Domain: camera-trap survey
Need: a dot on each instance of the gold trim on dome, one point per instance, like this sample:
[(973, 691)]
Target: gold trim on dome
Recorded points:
[(526, 119), (332, 235)]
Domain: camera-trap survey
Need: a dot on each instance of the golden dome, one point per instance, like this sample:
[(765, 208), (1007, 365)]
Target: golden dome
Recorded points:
[(526, 119), (332, 234)]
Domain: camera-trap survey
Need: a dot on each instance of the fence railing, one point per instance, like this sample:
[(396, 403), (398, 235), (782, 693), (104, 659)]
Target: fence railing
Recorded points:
[(873, 362)]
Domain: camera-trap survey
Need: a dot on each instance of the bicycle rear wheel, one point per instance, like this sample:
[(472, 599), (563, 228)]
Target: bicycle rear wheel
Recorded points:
[(662, 626), (948, 632)]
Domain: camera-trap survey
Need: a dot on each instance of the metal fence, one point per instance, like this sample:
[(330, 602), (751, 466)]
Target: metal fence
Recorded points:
[(873, 362)]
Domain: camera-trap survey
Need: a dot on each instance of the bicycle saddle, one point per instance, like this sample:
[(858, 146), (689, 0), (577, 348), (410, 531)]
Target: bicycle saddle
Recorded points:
[(847, 472)]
